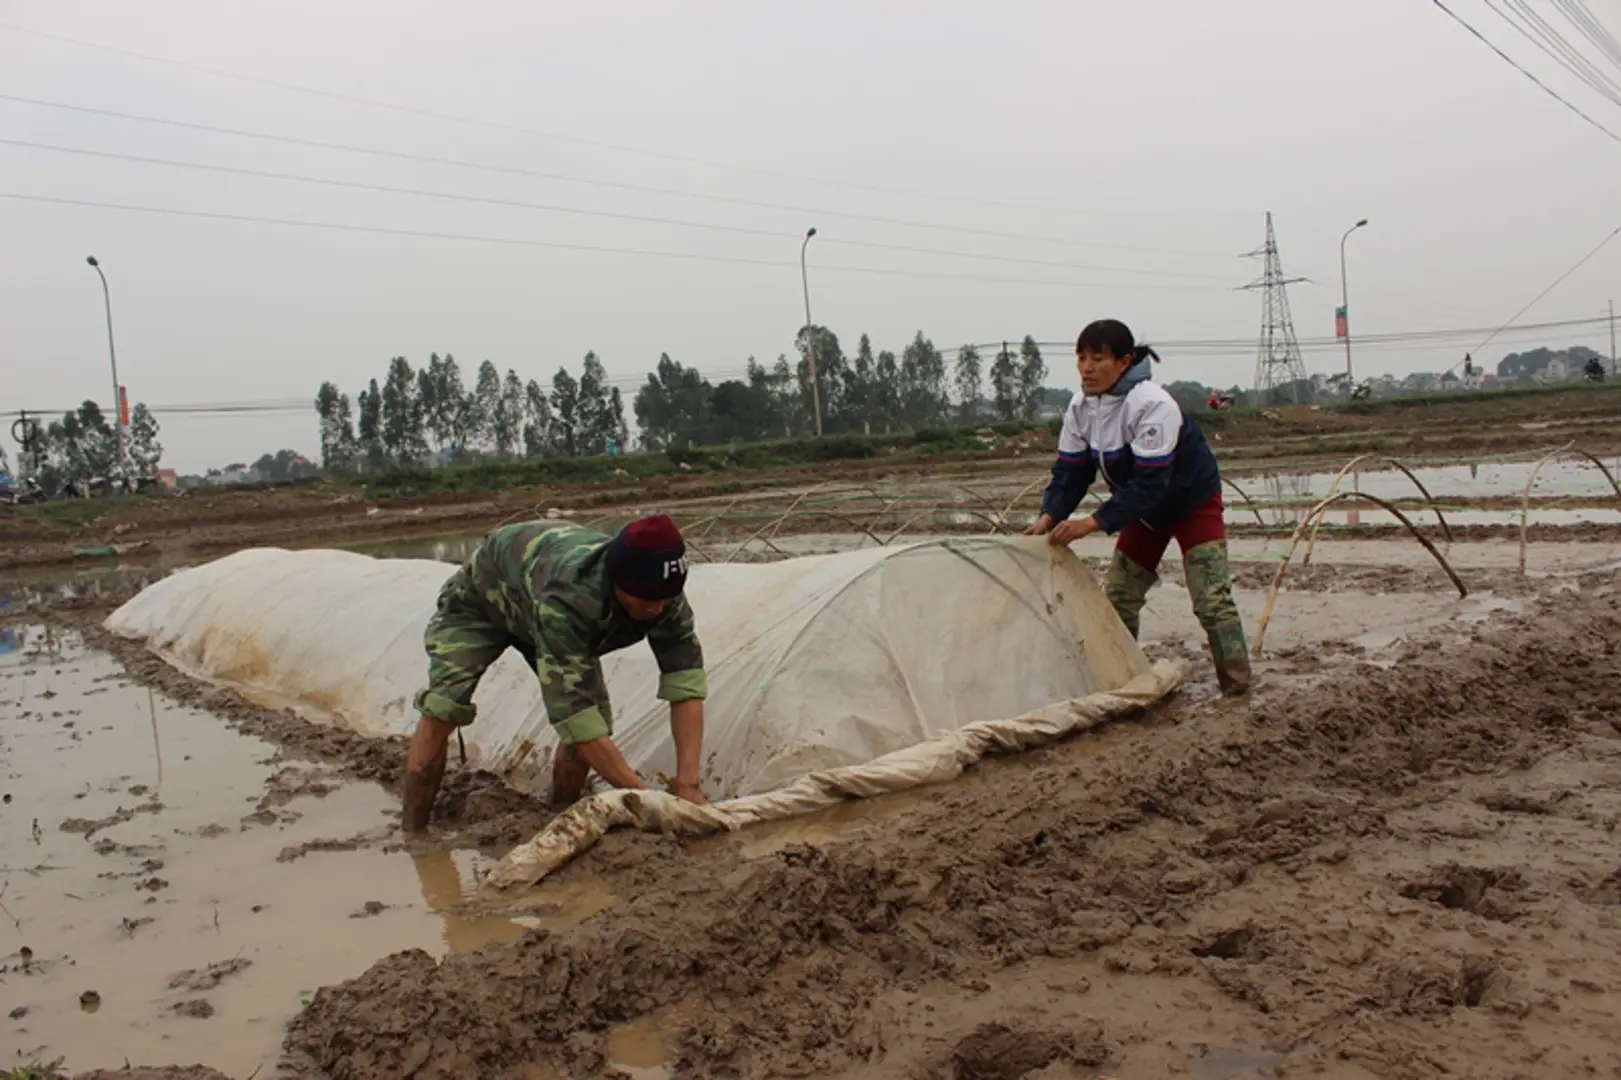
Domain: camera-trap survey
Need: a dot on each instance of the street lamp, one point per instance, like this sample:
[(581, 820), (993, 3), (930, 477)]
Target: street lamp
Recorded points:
[(112, 355), (810, 352), (1345, 300)]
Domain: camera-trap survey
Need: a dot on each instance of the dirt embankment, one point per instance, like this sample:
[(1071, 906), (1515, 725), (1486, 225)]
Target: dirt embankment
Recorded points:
[(1388, 872)]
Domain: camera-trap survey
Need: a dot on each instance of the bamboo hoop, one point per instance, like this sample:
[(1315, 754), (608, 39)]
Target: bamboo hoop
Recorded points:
[(996, 522), (1015, 500), (930, 512), (1567, 450), (1294, 541), (1247, 500), (1446, 530)]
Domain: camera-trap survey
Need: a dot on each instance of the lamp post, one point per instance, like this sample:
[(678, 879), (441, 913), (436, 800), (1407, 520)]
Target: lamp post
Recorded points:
[(1345, 301), (810, 351), (112, 355)]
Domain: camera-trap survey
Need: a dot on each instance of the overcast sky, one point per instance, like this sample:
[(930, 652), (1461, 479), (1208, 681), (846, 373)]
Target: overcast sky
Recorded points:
[(1071, 159)]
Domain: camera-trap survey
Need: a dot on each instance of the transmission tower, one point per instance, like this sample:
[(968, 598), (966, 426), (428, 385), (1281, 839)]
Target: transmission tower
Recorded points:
[(1278, 364)]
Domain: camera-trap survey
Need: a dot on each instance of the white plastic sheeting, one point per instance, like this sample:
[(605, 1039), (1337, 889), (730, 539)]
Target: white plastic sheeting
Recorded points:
[(821, 669)]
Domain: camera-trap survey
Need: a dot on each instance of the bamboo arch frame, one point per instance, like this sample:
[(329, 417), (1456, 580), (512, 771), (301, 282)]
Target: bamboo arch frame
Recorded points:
[(1316, 511), (1247, 500), (1446, 530), (1568, 450)]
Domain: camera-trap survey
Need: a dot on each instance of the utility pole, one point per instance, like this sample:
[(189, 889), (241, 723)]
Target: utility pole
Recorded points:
[(1278, 363), (118, 397), (810, 350), (1345, 302), (1612, 339)]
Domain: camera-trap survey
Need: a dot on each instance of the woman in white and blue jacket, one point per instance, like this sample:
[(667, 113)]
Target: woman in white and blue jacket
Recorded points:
[(1163, 482)]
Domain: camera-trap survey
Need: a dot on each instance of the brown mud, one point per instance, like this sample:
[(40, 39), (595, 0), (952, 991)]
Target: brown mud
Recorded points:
[(1380, 871)]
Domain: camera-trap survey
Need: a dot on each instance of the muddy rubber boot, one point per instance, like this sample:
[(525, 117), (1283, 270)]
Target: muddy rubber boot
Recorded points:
[(1126, 585), (1232, 659), (1210, 584)]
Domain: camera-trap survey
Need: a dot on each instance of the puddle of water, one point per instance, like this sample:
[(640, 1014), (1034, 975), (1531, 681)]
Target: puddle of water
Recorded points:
[(1235, 1064), (177, 880), (641, 1049), (1502, 480), (456, 548)]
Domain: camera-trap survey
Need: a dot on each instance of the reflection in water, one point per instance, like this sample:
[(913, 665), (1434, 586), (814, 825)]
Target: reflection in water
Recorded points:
[(447, 886), (443, 890), (451, 549), (1282, 488)]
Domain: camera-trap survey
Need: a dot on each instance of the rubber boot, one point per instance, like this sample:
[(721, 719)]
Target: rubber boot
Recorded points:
[(1210, 584), (1126, 585)]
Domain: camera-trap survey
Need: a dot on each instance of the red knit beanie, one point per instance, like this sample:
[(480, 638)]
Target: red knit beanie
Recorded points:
[(648, 559)]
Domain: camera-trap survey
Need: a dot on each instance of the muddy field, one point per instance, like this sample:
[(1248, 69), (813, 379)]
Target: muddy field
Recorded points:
[(1267, 450), (1397, 858)]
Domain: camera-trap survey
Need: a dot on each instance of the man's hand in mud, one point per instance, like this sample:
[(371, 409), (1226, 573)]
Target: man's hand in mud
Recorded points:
[(692, 792)]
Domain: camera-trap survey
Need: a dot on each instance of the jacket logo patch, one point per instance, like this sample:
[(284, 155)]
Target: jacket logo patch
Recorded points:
[(1153, 437)]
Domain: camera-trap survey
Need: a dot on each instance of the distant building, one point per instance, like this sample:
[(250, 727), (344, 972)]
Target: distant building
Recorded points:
[(169, 478)]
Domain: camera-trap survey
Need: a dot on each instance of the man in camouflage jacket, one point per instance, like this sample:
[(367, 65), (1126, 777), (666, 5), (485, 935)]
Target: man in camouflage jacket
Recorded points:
[(563, 596)]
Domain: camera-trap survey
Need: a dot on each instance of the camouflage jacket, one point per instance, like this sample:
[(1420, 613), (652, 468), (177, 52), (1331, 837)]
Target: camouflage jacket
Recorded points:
[(547, 584)]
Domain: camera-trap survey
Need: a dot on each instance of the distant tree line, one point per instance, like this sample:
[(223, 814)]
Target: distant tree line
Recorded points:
[(869, 392), (418, 416)]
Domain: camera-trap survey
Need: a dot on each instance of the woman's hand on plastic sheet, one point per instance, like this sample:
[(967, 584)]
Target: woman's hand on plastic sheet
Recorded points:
[(1043, 524), (692, 792), (1072, 530)]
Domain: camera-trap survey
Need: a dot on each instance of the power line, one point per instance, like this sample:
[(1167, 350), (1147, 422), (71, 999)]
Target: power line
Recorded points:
[(1550, 92), (1588, 25), (576, 140), (593, 248), (357, 185), (1537, 31), (1556, 283), (644, 189)]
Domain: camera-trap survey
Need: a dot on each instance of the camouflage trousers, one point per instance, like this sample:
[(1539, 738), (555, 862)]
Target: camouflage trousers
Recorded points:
[(463, 638), (1202, 538)]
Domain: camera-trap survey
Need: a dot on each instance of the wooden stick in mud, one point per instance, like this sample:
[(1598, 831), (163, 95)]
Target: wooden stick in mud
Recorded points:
[(1316, 511), (1568, 450)]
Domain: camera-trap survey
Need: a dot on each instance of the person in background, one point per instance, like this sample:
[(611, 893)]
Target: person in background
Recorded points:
[(563, 596), (1163, 482)]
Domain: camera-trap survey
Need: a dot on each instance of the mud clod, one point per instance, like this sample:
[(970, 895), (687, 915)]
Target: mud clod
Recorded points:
[(1472, 889), (997, 1052), (196, 1008), (198, 980), (1227, 945)]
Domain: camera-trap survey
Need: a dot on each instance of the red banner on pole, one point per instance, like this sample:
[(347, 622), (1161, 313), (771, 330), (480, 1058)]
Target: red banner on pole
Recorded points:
[(123, 407), (1341, 324)]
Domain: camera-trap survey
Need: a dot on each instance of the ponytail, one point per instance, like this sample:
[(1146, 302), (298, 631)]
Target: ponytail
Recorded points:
[(1143, 352)]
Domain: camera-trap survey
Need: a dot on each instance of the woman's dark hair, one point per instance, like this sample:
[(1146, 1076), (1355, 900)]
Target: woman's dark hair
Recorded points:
[(1115, 338)]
